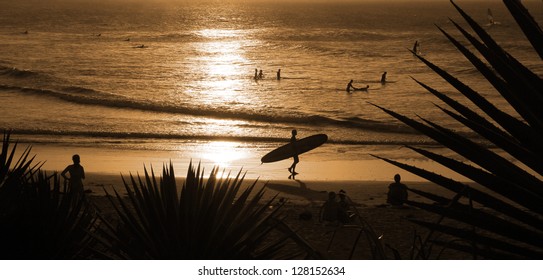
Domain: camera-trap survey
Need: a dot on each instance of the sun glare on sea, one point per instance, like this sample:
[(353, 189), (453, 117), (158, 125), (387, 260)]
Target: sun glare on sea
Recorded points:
[(220, 62), (221, 153)]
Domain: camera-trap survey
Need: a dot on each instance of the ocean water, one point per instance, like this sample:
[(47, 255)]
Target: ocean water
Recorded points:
[(74, 72)]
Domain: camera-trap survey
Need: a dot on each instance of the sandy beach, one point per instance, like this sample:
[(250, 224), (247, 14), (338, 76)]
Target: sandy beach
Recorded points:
[(301, 195), (365, 180), (369, 198)]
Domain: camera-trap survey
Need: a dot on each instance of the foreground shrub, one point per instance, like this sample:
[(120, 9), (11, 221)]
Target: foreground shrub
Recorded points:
[(38, 220), (206, 219), (504, 219)]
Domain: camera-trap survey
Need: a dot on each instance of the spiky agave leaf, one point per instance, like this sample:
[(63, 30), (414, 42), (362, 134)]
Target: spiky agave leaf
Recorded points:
[(504, 219), (206, 219)]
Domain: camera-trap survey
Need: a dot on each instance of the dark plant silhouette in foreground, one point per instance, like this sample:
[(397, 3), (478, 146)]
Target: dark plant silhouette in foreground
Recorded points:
[(37, 219), (217, 218), (504, 218)]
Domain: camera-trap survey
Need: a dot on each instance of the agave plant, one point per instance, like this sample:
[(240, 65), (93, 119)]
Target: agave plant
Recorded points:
[(37, 219), (503, 218), (213, 219)]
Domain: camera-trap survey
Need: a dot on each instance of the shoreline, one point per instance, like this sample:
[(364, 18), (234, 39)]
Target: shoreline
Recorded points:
[(326, 163)]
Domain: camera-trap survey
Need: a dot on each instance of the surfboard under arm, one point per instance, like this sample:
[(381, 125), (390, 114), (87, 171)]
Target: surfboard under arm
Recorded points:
[(287, 151)]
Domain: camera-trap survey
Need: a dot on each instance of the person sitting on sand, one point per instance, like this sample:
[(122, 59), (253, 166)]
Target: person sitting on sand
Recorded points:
[(77, 174), (292, 168), (397, 192), (330, 209), (384, 78)]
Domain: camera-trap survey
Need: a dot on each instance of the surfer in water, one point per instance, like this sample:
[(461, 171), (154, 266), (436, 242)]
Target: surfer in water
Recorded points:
[(384, 78), (260, 74), (279, 74), (292, 168), (350, 86)]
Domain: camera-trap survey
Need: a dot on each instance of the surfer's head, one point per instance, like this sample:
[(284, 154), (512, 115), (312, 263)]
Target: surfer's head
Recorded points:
[(294, 132), (76, 159)]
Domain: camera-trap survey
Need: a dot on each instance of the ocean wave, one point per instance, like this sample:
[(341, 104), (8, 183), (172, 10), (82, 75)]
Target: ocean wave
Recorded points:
[(331, 50), (121, 137), (332, 35), (14, 72), (85, 96)]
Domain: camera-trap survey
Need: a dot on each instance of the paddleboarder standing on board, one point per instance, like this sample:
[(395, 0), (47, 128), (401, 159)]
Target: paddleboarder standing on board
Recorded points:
[(292, 168)]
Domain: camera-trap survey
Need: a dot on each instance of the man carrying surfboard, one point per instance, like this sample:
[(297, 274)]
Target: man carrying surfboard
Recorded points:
[(292, 168), (294, 148)]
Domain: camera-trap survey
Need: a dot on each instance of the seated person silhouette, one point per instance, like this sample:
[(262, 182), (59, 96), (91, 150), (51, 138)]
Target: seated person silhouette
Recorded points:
[(397, 192), (330, 209), (344, 215)]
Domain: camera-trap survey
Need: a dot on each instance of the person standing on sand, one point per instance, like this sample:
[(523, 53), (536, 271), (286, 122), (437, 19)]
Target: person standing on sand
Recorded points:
[(397, 192), (77, 174), (292, 168)]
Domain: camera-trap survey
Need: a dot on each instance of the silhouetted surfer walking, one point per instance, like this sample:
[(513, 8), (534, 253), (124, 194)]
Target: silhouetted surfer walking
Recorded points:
[(292, 168)]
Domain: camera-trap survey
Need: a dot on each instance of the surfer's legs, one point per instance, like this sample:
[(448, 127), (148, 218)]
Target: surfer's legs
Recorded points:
[(292, 168)]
